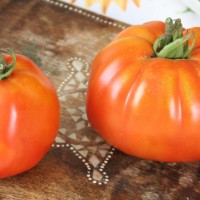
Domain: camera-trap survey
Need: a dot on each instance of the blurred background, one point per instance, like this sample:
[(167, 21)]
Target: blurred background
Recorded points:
[(139, 11)]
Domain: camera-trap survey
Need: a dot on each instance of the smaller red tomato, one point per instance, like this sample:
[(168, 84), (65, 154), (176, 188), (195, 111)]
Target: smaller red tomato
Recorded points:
[(29, 114)]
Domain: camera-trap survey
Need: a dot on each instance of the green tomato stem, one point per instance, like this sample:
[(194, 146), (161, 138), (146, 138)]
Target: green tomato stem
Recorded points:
[(5, 68), (173, 44)]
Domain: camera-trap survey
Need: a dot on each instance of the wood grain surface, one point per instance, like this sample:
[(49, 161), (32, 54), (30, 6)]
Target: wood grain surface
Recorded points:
[(51, 34)]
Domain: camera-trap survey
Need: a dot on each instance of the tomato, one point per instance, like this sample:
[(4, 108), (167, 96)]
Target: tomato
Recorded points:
[(144, 92), (29, 114)]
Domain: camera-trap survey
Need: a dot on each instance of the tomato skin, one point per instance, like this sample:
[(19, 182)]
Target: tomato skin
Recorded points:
[(146, 107), (29, 117)]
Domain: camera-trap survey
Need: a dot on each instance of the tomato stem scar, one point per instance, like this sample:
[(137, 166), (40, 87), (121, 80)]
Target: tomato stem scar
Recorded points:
[(6, 68), (174, 43)]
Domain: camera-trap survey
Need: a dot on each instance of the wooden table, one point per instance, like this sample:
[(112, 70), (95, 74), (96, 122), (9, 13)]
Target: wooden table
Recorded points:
[(63, 40)]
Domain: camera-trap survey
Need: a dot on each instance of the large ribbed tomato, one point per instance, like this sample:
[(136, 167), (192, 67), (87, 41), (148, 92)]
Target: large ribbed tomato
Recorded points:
[(29, 114), (144, 92)]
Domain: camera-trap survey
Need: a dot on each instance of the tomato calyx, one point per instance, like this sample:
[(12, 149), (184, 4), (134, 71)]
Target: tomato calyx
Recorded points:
[(6, 68), (173, 44)]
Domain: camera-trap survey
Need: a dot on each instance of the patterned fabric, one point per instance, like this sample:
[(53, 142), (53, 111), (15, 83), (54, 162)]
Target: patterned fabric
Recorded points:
[(75, 132)]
